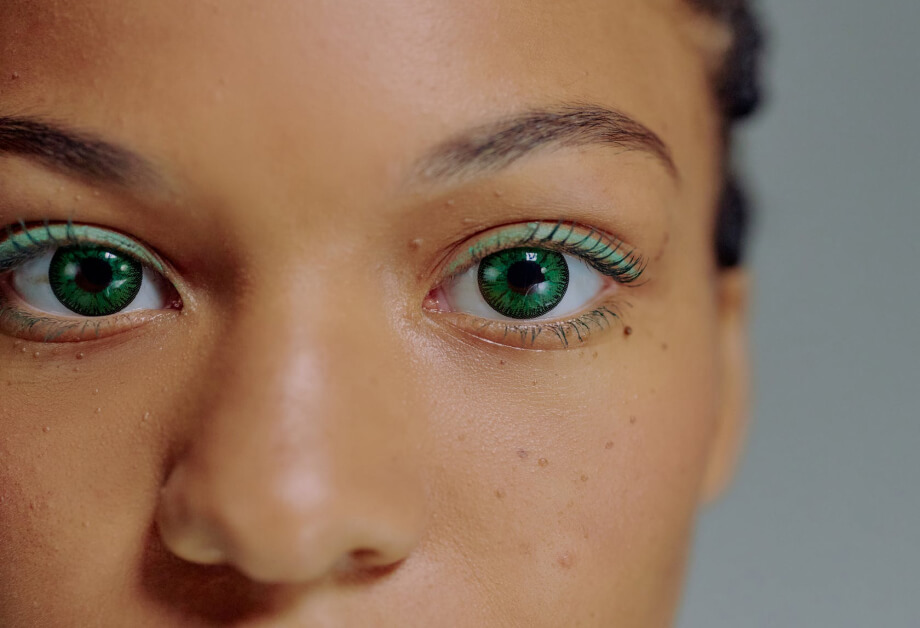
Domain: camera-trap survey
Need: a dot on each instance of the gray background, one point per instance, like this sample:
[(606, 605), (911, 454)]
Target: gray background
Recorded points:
[(822, 527)]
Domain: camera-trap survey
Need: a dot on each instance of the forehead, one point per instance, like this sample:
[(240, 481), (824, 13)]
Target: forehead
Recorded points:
[(365, 85)]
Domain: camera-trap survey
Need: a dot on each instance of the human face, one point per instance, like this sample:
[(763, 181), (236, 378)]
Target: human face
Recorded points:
[(301, 427)]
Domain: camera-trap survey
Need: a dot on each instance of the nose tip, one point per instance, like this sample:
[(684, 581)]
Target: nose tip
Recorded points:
[(292, 536)]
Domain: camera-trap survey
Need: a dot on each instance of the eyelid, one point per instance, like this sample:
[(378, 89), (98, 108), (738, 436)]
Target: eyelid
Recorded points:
[(605, 253), (25, 324), (541, 335), (25, 242)]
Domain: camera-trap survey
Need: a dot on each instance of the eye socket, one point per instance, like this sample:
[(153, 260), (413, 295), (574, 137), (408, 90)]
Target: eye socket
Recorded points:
[(58, 282), (511, 284)]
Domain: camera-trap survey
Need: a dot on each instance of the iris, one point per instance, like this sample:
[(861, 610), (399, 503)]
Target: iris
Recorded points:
[(523, 282), (94, 281)]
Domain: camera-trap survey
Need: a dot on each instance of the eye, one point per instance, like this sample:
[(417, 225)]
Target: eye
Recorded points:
[(525, 283), (87, 281), (63, 278), (512, 284)]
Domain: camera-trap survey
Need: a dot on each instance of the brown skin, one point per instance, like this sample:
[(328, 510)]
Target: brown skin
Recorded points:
[(344, 455)]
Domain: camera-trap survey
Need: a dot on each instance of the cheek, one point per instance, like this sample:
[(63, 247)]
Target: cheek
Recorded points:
[(81, 454), (578, 469)]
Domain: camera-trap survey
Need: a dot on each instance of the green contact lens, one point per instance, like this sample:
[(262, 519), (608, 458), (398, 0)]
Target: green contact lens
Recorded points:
[(93, 280), (523, 282)]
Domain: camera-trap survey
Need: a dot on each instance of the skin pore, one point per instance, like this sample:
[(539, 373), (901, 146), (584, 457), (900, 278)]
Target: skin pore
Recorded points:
[(310, 430)]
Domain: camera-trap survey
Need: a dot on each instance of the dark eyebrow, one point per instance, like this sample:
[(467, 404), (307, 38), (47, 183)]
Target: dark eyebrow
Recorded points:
[(72, 152), (496, 145)]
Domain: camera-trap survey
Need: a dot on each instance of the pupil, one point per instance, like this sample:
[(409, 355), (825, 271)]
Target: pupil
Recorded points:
[(93, 275), (523, 276)]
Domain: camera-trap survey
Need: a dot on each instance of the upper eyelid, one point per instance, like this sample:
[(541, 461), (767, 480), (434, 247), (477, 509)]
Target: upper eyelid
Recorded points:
[(67, 234), (627, 268)]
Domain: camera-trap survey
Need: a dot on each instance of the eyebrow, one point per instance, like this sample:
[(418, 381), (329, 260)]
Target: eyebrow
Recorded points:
[(494, 146), (72, 152), (483, 149)]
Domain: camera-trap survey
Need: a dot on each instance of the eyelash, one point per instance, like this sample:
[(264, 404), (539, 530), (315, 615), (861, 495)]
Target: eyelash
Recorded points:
[(610, 256), (604, 255)]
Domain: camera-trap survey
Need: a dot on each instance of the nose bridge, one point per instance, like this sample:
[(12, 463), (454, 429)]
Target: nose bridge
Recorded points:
[(303, 455)]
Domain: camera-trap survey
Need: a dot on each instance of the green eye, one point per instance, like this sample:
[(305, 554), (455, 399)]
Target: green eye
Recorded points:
[(93, 280), (523, 283)]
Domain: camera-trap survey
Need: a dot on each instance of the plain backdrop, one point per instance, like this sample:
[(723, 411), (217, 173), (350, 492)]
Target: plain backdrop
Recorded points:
[(822, 527)]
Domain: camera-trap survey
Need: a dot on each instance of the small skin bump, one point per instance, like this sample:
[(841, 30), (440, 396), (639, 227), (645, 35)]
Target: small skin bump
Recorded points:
[(522, 453), (543, 462), (566, 560), (627, 331)]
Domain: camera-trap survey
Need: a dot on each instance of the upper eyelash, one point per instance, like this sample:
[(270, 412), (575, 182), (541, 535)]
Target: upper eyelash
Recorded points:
[(33, 249), (26, 247), (626, 266)]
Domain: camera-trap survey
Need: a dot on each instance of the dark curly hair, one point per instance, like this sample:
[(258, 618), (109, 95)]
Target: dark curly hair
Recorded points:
[(738, 91)]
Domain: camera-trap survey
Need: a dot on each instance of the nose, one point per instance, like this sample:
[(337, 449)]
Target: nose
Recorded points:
[(301, 463)]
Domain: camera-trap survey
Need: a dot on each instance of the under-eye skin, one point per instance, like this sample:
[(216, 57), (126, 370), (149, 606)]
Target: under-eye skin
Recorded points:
[(68, 282), (536, 285)]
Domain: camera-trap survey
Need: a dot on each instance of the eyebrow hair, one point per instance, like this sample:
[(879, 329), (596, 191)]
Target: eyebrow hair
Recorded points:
[(497, 145), (71, 152), (486, 148)]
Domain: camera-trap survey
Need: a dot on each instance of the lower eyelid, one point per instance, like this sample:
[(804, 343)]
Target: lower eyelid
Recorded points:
[(572, 332), (19, 320), (38, 328)]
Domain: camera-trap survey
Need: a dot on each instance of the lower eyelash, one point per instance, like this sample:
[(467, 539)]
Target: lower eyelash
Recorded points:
[(38, 328), (541, 335)]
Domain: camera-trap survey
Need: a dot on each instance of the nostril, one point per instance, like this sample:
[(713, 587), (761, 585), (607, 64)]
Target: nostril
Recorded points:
[(366, 557), (365, 564)]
